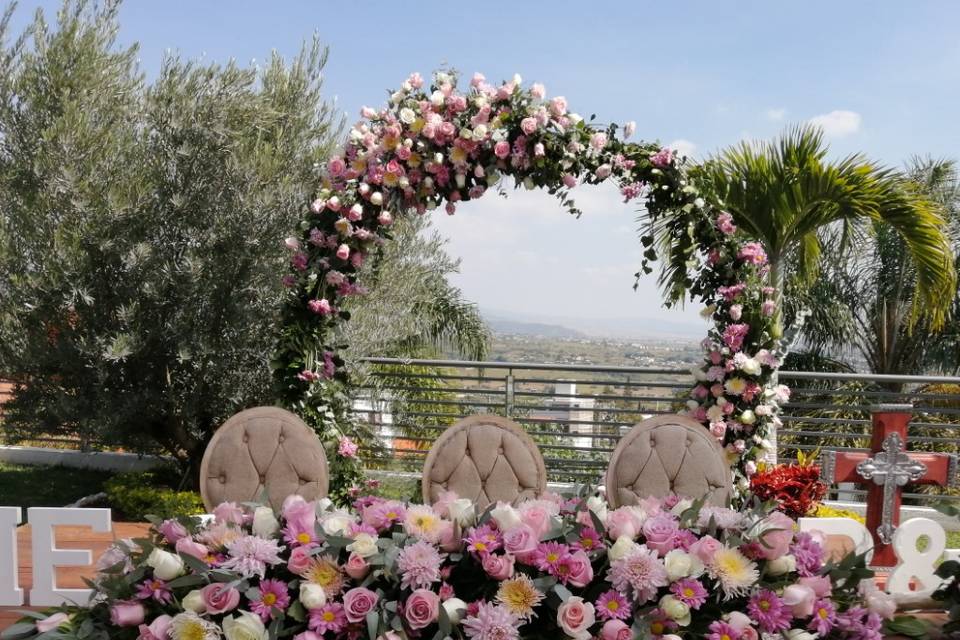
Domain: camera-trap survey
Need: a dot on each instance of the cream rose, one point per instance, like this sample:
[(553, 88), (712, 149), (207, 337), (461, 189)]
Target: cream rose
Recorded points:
[(676, 610), (193, 601), (265, 524), (336, 524), (455, 608), (782, 565), (505, 516), (621, 548), (364, 545), (165, 565), (407, 115), (462, 511), (244, 626), (312, 596), (681, 564)]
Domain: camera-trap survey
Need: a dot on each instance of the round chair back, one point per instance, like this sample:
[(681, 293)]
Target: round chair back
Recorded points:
[(263, 448), (487, 459), (664, 455)]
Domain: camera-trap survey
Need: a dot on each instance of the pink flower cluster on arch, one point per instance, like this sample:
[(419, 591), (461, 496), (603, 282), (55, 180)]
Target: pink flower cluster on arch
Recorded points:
[(435, 147)]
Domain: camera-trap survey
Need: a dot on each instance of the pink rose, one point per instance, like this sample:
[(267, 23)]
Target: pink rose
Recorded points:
[(623, 522), (615, 630), (300, 560), (309, 635), (705, 548), (558, 106), (660, 532), (528, 125), (521, 541), (603, 171), (356, 567), (800, 599), (580, 570), (421, 608), (336, 166), (343, 252), (159, 629), (172, 530), (358, 602), (126, 614), (219, 598), (447, 537), (501, 149), (537, 517), (300, 514), (192, 548), (569, 181), (52, 622), (743, 624), (575, 617), (821, 585), (228, 512), (498, 567), (777, 536)]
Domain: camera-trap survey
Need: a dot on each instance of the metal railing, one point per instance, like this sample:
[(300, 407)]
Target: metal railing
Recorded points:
[(577, 413)]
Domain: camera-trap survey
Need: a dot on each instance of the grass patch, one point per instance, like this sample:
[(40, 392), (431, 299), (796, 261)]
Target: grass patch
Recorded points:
[(40, 486)]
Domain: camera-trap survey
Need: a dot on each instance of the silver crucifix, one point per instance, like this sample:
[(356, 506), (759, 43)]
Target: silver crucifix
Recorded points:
[(891, 468)]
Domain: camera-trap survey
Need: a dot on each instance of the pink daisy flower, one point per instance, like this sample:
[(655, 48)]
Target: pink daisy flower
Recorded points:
[(824, 617), (720, 630), (155, 589), (611, 605), (690, 592), (549, 555), (272, 596), (768, 610), (329, 617), (589, 540)]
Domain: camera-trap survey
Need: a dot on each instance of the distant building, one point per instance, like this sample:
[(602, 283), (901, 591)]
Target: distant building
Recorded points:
[(577, 414)]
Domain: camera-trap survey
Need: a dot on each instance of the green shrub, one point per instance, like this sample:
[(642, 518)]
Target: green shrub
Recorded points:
[(137, 495)]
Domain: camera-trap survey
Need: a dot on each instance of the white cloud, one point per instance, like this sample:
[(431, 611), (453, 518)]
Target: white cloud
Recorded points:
[(838, 123), (776, 115), (684, 147)]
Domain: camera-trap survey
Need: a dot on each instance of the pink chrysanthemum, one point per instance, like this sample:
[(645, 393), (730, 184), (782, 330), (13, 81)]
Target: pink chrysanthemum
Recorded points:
[(419, 565), (808, 553), (492, 622), (589, 540), (154, 588), (720, 630), (250, 555), (384, 515), (768, 610), (824, 617), (640, 573), (329, 617), (611, 605), (271, 597), (549, 555), (690, 592)]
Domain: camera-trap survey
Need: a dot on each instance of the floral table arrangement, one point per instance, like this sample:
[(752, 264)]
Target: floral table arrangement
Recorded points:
[(556, 567)]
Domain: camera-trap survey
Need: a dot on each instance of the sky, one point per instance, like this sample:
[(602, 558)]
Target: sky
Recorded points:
[(881, 77)]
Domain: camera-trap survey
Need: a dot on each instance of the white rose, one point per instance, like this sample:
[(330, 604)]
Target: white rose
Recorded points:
[(575, 118), (621, 548), (528, 183), (364, 545), (480, 131), (407, 115), (517, 80), (312, 596), (675, 610), (337, 524), (396, 97), (461, 180), (166, 565), (376, 198), (265, 524), (681, 564), (193, 601), (782, 565), (323, 504), (682, 505), (462, 511), (599, 506), (244, 626), (799, 634), (751, 366), (455, 608), (505, 516), (437, 98), (748, 417)]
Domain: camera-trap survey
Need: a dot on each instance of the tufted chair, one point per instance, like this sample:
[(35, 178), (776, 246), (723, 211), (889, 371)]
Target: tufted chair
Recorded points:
[(668, 454), (263, 448), (487, 459)]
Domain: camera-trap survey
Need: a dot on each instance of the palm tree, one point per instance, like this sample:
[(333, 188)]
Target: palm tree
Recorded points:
[(782, 193), (876, 288)]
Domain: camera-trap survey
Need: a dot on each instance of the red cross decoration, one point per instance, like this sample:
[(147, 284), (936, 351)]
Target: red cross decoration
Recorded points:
[(886, 468)]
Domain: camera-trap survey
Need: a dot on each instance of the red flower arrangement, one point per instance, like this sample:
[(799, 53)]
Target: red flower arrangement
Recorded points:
[(796, 488)]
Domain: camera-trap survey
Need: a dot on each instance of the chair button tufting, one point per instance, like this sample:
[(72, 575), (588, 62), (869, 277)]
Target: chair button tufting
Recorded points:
[(223, 478), (281, 438), (246, 438), (263, 478), (500, 450)]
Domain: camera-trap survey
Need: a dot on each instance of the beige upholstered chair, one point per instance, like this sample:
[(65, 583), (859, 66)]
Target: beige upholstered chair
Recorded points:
[(487, 459), (263, 448), (664, 455)]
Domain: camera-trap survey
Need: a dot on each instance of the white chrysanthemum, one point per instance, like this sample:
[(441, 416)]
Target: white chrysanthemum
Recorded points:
[(735, 572), (190, 626)]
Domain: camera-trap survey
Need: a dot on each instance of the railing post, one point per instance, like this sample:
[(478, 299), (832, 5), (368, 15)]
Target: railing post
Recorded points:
[(508, 402)]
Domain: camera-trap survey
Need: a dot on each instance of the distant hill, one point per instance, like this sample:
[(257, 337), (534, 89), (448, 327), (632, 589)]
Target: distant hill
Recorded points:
[(540, 329)]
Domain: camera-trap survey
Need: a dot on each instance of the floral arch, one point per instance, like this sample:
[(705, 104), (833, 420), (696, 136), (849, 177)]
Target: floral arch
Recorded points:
[(436, 146)]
